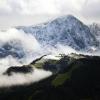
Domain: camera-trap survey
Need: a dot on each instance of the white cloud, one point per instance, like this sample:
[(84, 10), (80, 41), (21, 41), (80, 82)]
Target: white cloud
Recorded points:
[(30, 6), (4, 7), (22, 79), (91, 9), (33, 11), (41, 6), (18, 39), (72, 5)]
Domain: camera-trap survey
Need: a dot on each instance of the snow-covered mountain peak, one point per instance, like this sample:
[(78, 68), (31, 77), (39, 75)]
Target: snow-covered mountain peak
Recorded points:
[(67, 18), (63, 20), (65, 30)]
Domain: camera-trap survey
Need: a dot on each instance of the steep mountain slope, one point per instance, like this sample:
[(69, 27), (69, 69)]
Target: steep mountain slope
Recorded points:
[(95, 29), (66, 30)]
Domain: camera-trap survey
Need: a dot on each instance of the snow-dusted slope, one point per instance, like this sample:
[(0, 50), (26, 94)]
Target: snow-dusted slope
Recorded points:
[(95, 29), (66, 30)]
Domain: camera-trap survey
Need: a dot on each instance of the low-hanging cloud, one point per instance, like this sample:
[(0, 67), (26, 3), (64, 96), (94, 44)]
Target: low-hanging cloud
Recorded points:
[(26, 43), (22, 79)]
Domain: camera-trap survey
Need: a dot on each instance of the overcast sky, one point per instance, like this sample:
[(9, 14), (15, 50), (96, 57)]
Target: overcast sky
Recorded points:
[(28, 12)]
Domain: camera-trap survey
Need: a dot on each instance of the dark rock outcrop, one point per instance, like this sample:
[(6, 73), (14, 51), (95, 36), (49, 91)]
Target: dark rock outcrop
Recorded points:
[(15, 69)]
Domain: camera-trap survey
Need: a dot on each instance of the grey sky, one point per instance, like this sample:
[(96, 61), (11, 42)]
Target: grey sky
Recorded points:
[(28, 12)]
